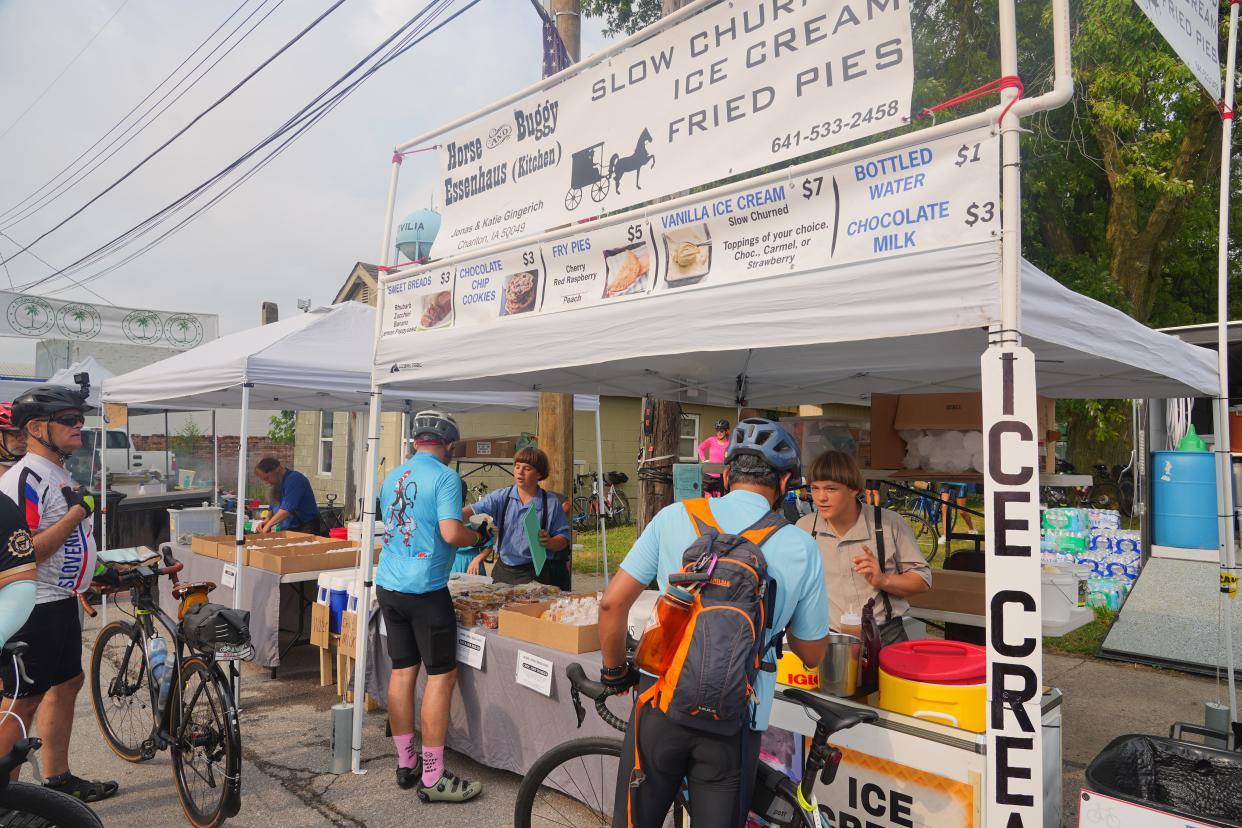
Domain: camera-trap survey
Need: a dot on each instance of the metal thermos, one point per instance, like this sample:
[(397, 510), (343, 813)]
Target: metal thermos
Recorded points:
[(342, 736), (839, 671)]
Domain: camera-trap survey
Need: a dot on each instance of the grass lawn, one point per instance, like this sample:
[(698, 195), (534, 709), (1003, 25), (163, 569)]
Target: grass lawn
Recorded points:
[(588, 559), (1084, 640)]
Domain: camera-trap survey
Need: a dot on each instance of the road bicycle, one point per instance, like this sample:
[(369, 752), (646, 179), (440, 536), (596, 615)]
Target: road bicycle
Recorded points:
[(923, 510), (477, 492), (198, 724), (572, 784), (23, 805), (586, 510)]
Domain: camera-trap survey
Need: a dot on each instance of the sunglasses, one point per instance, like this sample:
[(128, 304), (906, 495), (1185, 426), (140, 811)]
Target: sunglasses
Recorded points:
[(68, 420)]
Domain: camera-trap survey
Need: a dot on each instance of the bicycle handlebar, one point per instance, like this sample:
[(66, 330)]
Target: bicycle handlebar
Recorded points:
[(17, 757), (579, 684)]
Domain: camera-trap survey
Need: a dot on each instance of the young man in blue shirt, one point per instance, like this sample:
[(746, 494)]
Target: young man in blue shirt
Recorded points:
[(420, 503), (719, 769), (298, 511)]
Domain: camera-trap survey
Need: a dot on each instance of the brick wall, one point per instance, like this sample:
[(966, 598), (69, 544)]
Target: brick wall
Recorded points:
[(200, 458)]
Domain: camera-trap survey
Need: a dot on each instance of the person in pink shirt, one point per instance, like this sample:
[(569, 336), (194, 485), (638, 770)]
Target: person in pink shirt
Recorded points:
[(712, 450)]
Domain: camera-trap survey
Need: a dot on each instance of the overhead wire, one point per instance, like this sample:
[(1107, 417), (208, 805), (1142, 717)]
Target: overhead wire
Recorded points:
[(52, 267), (300, 122), (336, 5), (16, 214), (56, 79)]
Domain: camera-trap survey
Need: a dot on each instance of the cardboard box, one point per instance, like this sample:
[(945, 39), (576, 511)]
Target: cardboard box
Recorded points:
[(487, 448), (321, 615), (521, 622), (222, 546), (327, 555), (891, 413), (954, 592)]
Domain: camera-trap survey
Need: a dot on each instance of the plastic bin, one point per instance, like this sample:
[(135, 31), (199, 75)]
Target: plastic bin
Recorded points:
[(1059, 595), (338, 600), (183, 524), (1177, 778), (1183, 499), (939, 681), (322, 588)]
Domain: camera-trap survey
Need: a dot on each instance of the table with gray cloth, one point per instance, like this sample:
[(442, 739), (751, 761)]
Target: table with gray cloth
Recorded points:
[(493, 719), (261, 595)]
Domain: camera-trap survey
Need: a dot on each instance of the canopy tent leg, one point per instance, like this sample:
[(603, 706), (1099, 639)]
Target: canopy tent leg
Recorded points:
[(239, 538), (215, 461), (1224, 462), (371, 491), (167, 453), (102, 541), (599, 474)]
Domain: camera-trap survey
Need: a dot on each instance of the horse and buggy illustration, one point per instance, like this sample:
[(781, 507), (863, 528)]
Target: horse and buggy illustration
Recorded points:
[(588, 171)]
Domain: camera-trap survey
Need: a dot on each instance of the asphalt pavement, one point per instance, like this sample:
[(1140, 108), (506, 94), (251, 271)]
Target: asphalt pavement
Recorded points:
[(286, 746)]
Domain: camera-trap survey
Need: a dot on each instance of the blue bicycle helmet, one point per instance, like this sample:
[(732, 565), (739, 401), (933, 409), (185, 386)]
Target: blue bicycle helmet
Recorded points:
[(767, 440)]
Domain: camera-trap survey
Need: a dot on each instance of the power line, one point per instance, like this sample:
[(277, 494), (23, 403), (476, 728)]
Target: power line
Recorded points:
[(181, 131), (48, 88), (51, 266), (308, 122), (52, 181), (306, 117)]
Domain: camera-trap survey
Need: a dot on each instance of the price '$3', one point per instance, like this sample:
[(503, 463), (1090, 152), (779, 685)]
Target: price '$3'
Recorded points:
[(977, 212)]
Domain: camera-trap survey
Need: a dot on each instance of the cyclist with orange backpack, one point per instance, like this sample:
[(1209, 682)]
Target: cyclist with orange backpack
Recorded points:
[(732, 570)]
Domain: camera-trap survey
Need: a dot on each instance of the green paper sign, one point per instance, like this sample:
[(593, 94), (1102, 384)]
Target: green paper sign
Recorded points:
[(530, 521)]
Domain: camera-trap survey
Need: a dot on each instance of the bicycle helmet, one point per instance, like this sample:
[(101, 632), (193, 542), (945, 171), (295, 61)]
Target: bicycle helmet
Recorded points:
[(767, 440), (43, 401), (6, 418), (435, 426), (722, 425)]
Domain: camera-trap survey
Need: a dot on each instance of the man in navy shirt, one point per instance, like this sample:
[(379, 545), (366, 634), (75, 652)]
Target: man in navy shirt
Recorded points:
[(298, 510)]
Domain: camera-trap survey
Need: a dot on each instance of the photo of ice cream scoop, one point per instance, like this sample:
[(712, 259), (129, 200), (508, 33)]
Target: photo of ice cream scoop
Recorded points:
[(437, 309), (520, 289), (689, 253), (627, 270)]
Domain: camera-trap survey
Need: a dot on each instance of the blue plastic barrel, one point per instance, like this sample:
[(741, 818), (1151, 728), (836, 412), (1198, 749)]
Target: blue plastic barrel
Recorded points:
[(1183, 499)]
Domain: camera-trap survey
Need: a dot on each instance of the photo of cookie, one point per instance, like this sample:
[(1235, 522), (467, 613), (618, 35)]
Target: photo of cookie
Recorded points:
[(689, 255), (627, 270), (520, 292), (437, 309)]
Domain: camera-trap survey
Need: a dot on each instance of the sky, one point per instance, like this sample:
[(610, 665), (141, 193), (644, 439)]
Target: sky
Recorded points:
[(296, 228)]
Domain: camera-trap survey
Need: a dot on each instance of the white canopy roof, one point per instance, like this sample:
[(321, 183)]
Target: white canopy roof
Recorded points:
[(98, 373), (911, 324), (312, 361)]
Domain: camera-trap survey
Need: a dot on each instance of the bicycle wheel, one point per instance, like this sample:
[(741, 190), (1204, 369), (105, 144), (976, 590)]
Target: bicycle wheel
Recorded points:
[(925, 532), (23, 805), (620, 507), (206, 745), (581, 512), (571, 785), (120, 693), (1105, 496)]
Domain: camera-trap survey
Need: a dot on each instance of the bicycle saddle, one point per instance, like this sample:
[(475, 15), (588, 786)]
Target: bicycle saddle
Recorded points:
[(181, 589), (831, 715)]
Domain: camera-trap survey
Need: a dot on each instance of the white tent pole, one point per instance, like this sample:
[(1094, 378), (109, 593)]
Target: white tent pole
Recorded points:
[(1224, 468), (215, 461), (103, 493), (371, 489), (167, 454), (240, 534), (599, 474)]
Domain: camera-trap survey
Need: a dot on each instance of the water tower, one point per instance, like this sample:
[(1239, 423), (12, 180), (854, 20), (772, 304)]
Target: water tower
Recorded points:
[(416, 233)]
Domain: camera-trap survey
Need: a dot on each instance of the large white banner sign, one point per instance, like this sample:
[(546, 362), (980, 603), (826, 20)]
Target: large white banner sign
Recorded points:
[(938, 194), (1192, 28), (736, 87), (39, 317), (1015, 633)]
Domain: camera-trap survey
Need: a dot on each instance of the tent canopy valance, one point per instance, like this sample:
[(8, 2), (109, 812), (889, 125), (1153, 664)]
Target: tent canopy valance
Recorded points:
[(910, 324)]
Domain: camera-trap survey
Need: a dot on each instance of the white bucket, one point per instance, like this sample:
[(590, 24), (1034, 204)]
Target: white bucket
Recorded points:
[(1059, 595)]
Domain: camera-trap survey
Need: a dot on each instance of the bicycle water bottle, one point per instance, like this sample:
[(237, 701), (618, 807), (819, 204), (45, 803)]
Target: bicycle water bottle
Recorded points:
[(157, 657), (664, 631)]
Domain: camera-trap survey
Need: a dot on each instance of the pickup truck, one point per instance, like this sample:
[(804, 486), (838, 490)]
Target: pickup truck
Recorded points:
[(122, 458)]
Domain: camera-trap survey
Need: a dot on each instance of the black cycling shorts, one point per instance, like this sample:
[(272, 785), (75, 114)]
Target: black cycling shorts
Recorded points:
[(54, 633), (422, 629)]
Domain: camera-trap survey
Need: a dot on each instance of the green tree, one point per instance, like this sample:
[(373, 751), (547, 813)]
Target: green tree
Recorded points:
[(185, 441), (282, 428)]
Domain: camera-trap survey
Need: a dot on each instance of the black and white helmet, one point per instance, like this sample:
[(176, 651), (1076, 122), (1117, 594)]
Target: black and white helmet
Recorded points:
[(43, 401), (432, 425)]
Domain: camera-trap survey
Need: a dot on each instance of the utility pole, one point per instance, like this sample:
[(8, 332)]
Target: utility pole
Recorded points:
[(556, 411)]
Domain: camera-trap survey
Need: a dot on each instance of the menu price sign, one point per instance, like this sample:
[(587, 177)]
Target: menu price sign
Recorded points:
[(504, 285), (593, 268), (470, 647), (534, 672), (420, 302)]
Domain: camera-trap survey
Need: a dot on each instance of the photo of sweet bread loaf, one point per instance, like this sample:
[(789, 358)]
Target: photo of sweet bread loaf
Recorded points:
[(437, 309)]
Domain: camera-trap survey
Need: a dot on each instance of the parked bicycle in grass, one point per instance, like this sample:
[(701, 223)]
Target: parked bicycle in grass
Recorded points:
[(586, 509), (159, 684)]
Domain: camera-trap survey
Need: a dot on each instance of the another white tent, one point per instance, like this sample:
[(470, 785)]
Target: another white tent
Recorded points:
[(92, 367), (910, 324)]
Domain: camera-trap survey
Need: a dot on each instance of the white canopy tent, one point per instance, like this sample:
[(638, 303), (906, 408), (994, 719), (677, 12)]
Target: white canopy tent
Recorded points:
[(313, 361)]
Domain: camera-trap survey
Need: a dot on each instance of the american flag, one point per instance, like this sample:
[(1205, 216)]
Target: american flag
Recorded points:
[(555, 57)]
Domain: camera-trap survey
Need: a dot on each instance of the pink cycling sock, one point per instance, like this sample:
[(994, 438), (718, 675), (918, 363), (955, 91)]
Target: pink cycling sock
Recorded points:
[(407, 756), (433, 765)]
